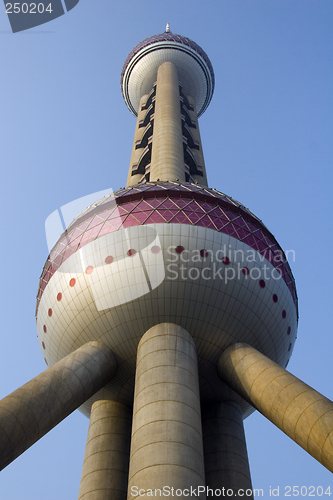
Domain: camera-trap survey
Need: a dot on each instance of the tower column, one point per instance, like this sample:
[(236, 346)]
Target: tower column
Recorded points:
[(106, 459), (226, 460), (136, 153), (198, 154), (302, 413), (167, 162), (166, 446)]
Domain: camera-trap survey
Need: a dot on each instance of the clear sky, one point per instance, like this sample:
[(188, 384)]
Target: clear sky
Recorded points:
[(65, 132)]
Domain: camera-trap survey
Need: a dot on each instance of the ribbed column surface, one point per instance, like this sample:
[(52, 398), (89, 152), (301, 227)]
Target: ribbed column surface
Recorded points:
[(136, 153), (304, 414), (106, 459), (167, 163), (35, 408), (198, 154), (226, 460), (166, 446)]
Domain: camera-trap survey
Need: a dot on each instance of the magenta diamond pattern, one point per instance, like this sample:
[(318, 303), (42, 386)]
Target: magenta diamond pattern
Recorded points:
[(166, 202)]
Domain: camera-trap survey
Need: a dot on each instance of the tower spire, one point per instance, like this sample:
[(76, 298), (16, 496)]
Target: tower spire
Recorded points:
[(167, 29)]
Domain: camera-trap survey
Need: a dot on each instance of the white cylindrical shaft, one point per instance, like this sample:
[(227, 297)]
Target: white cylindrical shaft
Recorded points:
[(167, 162), (166, 447)]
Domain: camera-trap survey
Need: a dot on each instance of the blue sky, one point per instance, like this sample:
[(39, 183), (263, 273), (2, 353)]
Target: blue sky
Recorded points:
[(65, 132)]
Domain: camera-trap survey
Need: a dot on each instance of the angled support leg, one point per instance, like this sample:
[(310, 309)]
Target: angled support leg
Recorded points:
[(302, 413), (34, 409)]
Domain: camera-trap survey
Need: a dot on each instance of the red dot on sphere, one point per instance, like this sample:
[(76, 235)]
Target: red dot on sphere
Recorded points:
[(275, 298), (289, 330), (131, 252), (155, 249), (50, 312), (59, 296), (43, 345), (180, 249), (109, 259), (72, 282), (44, 328), (203, 253), (245, 271), (289, 347), (284, 314), (262, 283), (226, 261), (89, 269)]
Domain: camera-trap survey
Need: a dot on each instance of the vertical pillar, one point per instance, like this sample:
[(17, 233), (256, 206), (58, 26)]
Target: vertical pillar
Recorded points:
[(167, 161), (136, 153), (302, 413), (166, 446), (106, 459), (226, 460), (198, 154)]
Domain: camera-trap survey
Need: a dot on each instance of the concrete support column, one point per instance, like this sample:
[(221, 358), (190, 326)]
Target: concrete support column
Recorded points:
[(167, 162), (35, 408), (198, 154), (302, 413), (106, 459), (136, 153), (166, 447), (226, 460)]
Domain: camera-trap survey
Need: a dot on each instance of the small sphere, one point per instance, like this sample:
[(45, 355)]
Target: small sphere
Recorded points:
[(194, 68)]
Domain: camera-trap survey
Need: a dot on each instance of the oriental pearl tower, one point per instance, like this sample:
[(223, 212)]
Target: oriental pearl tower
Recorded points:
[(167, 313)]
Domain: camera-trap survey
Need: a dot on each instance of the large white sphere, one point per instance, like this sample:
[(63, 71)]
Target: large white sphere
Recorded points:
[(118, 270)]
